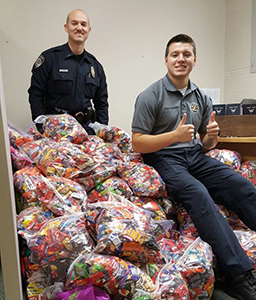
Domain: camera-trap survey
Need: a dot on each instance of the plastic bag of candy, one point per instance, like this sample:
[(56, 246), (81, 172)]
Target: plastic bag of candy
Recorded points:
[(150, 205), (248, 171), (110, 273), (112, 134), (231, 218), (18, 137), (247, 240), (19, 159), (25, 184), (164, 229), (144, 180), (31, 219), (62, 159), (60, 238), (98, 174), (196, 268), (64, 126), (31, 130), (173, 249), (169, 285), (83, 292), (114, 185), (186, 225), (102, 151), (230, 158), (125, 231), (132, 157)]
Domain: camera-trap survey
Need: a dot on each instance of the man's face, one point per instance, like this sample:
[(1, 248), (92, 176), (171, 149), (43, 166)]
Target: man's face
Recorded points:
[(180, 60), (77, 27)]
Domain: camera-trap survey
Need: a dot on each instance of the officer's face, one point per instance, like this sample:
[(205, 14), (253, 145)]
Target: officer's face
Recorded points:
[(77, 27), (180, 60)]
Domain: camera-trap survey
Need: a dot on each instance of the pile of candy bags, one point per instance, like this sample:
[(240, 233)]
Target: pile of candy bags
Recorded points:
[(95, 222)]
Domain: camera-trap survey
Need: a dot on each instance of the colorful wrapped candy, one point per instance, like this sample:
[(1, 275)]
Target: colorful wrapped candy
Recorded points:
[(196, 268), (169, 285), (110, 273), (60, 238), (230, 158), (64, 126), (248, 171), (247, 240), (19, 159), (113, 185), (144, 180), (112, 134), (150, 205), (18, 137), (125, 231)]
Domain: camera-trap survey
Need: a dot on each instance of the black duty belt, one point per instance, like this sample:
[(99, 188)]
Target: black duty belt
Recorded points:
[(89, 114)]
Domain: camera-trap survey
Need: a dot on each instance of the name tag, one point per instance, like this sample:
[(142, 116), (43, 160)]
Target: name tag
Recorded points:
[(63, 70)]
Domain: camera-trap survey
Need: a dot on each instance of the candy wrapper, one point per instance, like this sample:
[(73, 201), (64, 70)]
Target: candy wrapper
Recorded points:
[(19, 159), (60, 195), (102, 151), (125, 231), (62, 159), (57, 244), (18, 137), (248, 171), (82, 293), (247, 240), (230, 158), (64, 126), (31, 219), (31, 130), (196, 268), (186, 225), (114, 185), (144, 180), (164, 229), (110, 273), (112, 134), (150, 205), (169, 285), (98, 174), (25, 184), (173, 249), (132, 157)]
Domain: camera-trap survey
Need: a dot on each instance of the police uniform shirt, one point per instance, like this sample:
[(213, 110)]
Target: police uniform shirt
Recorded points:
[(62, 81), (160, 108)]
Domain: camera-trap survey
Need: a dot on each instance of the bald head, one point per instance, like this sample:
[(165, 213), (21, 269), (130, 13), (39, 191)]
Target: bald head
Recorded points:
[(73, 12)]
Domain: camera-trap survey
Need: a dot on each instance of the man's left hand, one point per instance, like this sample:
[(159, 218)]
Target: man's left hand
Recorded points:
[(212, 127)]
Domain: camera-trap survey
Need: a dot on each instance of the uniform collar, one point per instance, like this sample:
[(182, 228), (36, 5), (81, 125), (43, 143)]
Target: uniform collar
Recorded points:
[(68, 53), (172, 88)]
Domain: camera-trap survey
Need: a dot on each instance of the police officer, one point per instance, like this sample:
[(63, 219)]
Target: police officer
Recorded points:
[(68, 79), (167, 115)]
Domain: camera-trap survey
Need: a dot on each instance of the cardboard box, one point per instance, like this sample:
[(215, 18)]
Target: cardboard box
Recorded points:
[(220, 109), (249, 109), (234, 109)]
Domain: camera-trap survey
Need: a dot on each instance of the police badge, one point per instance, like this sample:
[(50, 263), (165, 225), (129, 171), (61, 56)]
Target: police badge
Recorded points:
[(39, 61)]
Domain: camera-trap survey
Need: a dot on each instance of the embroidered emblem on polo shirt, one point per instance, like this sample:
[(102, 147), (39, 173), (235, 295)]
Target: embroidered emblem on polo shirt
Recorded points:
[(194, 107)]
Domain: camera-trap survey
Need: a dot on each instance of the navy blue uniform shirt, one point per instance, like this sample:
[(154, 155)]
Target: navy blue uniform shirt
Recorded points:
[(63, 81)]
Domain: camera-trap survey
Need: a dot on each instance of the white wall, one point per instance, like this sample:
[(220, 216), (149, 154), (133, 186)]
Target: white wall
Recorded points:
[(128, 37), (239, 82)]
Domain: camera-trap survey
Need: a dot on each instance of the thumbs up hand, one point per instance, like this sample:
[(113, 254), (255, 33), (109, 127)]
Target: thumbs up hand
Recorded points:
[(185, 132), (212, 127)]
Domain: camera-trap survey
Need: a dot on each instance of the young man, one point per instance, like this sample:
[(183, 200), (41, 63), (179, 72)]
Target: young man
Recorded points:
[(167, 116), (66, 78)]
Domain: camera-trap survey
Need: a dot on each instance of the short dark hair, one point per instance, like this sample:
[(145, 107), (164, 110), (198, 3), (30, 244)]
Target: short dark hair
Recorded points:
[(180, 38)]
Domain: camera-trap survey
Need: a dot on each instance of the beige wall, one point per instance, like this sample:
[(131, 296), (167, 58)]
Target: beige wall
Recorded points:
[(239, 83), (128, 38)]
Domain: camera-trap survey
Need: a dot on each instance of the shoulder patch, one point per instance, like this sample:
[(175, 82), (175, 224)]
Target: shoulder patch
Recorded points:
[(39, 61)]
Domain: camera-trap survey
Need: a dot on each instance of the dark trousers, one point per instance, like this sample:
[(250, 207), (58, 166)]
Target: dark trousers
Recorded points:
[(198, 182)]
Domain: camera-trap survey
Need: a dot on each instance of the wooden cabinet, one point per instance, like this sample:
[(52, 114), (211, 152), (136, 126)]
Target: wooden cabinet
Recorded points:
[(246, 146), (238, 133)]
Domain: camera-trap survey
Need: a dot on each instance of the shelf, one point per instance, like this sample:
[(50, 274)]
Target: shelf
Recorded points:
[(232, 139)]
